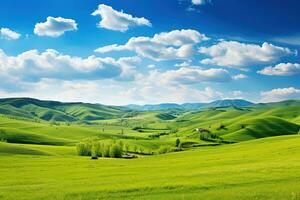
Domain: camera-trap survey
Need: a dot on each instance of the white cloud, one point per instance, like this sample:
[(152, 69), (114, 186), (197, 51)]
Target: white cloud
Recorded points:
[(292, 39), (151, 66), (109, 48), (109, 92), (33, 66), (190, 75), (177, 44), (128, 66), (118, 21), (103, 91), (183, 64), (198, 2), (8, 34), (242, 56), (55, 27), (281, 69), (239, 76), (280, 94), (148, 93)]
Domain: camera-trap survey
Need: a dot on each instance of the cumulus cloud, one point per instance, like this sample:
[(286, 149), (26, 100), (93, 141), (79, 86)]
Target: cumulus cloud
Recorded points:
[(151, 66), (68, 91), (148, 93), (8, 34), (190, 75), (242, 56), (239, 76), (280, 94), (55, 27), (129, 68), (198, 2), (281, 69), (183, 64), (118, 21), (112, 92), (177, 44), (33, 66)]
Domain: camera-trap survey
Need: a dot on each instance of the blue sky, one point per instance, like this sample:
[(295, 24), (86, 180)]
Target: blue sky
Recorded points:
[(150, 51)]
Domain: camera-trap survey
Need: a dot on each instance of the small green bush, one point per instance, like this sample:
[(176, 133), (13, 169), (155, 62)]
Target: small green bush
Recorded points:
[(106, 150), (97, 150), (164, 149), (84, 149), (177, 142), (115, 151)]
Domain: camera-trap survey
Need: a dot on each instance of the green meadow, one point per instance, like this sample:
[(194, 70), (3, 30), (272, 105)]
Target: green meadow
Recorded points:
[(243, 153)]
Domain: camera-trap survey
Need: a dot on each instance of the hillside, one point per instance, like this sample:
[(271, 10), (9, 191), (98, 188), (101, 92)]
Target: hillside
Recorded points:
[(191, 106), (41, 152), (58, 111), (260, 169), (235, 124)]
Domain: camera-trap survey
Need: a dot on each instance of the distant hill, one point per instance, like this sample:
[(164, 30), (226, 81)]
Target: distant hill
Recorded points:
[(192, 106), (58, 111)]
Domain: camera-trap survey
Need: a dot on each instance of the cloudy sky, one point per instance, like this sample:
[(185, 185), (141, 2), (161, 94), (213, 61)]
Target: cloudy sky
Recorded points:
[(150, 51)]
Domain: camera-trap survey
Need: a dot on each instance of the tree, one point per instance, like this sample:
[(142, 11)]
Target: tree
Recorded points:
[(106, 150), (177, 142), (115, 151), (84, 149), (126, 147), (164, 149)]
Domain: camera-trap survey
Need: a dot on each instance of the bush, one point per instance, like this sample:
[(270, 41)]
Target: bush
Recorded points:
[(115, 151), (164, 149), (97, 150), (3, 136), (106, 150), (177, 142), (84, 149)]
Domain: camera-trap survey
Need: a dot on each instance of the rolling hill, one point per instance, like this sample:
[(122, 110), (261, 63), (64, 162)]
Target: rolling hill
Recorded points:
[(191, 106), (58, 111)]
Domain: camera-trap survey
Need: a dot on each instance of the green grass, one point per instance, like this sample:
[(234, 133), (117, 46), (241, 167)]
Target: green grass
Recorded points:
[(38, 158), (223, 172)]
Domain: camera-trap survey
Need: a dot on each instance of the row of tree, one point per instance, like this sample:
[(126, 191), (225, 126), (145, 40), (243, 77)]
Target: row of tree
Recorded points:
[(100, 149)]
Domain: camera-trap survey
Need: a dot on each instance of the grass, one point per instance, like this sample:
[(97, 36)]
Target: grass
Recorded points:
[(38, 158), (223, 172)]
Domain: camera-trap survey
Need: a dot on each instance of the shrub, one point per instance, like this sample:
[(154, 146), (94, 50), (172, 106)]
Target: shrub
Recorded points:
[(177, 142), (3, 136), (115, 151), (164, 149), (153, 136), (97, 151), (84, 149), (106, 150)]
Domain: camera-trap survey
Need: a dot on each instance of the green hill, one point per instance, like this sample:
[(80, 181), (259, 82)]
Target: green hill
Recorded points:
[(258, 169), (58, 111)]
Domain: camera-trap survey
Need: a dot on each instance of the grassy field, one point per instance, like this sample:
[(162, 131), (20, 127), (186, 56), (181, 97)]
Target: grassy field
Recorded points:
[(250, 152), (258, 169)]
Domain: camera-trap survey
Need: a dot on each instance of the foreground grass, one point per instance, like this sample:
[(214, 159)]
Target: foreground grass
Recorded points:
[(258, 169)]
